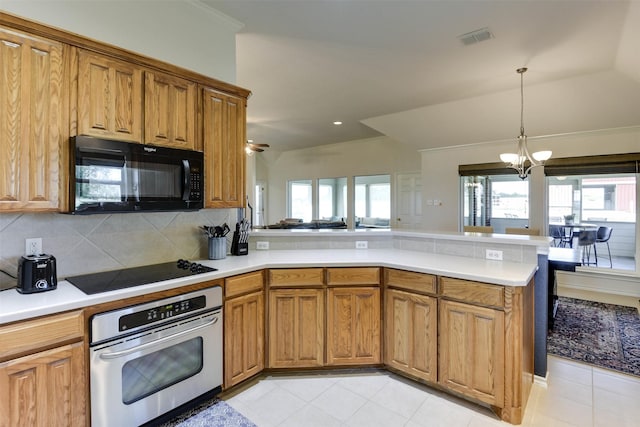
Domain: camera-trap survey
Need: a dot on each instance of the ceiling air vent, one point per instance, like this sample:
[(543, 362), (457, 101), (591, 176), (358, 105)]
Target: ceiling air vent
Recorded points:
[(476, 36)]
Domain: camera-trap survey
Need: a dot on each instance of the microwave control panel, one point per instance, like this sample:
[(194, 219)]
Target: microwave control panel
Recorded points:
[(195, 184)]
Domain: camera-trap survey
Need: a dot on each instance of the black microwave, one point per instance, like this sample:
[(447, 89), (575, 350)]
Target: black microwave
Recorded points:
[(117, 176)]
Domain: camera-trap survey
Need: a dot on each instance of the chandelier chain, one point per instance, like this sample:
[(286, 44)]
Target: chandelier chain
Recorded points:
[(522, 101)]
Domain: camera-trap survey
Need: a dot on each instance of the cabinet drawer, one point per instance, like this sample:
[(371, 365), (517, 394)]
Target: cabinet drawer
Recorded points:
[(288, 277), (419, 282), (243, 284), (473, 292), (33, 335), (353, 276)]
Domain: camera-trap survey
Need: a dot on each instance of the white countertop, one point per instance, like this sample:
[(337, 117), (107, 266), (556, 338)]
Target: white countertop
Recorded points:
[(15, 306)]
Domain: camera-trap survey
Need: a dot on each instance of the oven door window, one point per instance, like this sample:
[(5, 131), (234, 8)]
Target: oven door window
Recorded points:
[(153, 372)]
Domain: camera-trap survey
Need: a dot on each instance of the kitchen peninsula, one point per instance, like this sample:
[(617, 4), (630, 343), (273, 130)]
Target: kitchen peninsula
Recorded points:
[(484, 305)]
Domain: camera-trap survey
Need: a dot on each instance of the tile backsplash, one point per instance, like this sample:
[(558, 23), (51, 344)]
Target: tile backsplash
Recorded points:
[(90, 243)]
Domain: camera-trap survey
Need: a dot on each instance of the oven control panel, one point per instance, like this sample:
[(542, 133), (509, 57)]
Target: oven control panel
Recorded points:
[(163, 312), (129, 320)]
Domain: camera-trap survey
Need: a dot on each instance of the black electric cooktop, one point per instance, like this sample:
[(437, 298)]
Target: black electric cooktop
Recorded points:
[(106, 281)]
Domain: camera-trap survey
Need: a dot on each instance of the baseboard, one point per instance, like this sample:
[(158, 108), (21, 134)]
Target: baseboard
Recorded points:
[(541, 381), (608, 289)]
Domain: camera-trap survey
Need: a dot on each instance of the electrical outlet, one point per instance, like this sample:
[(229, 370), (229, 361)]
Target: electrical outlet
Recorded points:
[(494, 255), (262, 245), (362, 244), (33, 246)]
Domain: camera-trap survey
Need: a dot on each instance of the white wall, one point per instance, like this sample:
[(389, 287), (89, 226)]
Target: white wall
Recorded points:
[(373, 156), (180, 32), (441, 181)]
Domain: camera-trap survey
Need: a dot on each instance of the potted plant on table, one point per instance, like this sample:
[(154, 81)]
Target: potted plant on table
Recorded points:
[(568, 219)]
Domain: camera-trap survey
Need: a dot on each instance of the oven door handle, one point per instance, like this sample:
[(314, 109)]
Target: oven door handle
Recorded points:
[(117, 354)]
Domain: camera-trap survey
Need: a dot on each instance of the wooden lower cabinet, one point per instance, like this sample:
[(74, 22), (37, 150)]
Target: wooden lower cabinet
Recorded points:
[(353, 326), (411, 334), (472, 351), (243, 337), (45, 388), (296, 328)]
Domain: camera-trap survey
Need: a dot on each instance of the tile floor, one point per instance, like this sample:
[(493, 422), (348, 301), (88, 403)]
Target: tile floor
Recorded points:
[(575, 395)]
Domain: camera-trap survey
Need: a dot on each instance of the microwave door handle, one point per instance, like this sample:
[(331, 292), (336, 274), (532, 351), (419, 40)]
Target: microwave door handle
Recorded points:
[(186, 184)]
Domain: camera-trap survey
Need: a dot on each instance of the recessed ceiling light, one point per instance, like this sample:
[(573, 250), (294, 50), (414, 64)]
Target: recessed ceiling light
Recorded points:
[(249, 141), (337, 123)]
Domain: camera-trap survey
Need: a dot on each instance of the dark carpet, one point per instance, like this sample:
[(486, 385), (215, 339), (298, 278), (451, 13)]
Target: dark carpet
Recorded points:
[(212, 413), (604, 335)]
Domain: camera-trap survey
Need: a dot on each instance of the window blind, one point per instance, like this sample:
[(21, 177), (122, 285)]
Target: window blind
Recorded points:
[(484, 169), (589, 165)]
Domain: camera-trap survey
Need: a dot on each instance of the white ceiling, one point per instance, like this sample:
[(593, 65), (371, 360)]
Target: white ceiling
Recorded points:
[(397, 68)]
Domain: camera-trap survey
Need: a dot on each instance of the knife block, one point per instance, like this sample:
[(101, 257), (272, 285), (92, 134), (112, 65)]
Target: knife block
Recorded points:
[(237, 247)]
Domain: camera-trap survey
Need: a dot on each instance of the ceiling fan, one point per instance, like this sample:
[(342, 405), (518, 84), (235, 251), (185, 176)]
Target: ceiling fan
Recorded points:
[(256, 147)]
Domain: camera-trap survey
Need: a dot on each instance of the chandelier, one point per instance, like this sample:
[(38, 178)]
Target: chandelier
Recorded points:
[(522, 161)]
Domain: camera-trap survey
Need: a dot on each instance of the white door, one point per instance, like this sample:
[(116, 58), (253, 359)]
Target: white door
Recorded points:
[(409, 200), (259, 218)]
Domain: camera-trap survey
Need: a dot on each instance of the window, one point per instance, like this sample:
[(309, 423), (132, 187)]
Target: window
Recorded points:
[(599, 191), (301, 200), (327, 199), (372, 201), (332, 198), (500, 201)]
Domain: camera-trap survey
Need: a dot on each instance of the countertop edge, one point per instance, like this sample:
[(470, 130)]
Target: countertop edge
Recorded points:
[(15, 306)]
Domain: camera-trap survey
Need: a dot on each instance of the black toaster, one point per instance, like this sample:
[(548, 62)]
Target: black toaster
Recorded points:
[(37, 273)]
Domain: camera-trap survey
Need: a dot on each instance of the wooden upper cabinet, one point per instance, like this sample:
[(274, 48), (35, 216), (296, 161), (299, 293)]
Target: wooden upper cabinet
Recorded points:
[(33, 104), (109, 98), (169, 111), (224, 123)]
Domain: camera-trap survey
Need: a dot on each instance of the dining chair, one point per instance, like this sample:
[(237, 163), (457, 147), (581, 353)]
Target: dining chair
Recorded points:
[(586, 240), (555, 231), (602, 236), (522, 231), (566, 236), (478, 229)]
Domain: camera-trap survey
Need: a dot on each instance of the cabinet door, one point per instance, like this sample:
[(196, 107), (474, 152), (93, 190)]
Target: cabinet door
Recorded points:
[(170, 111), (411, 334), (244, 337), (44, 389), (296, 328), (224, 122), (109, 98), (353, 326), (32, 107), (472, 351)]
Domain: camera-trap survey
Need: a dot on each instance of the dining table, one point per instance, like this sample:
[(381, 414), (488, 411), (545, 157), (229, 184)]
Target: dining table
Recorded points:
[(569, 231)]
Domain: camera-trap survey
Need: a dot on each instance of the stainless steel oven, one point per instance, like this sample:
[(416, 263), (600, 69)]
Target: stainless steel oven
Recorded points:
[(148, 359)]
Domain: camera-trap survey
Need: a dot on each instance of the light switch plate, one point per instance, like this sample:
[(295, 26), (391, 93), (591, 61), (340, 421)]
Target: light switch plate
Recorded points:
[(362, 244), (262, 245)]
